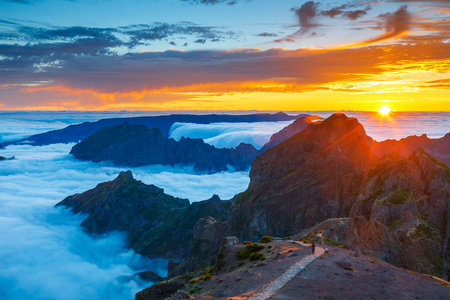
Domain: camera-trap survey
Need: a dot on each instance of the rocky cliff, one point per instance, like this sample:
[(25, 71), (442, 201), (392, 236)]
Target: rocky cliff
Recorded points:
[(156, 224), (314, 175), (402, 214), (138, 145), (400, 206)]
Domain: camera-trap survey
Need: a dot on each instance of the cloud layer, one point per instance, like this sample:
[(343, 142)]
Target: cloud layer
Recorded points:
[(45, 254), (228, 135)]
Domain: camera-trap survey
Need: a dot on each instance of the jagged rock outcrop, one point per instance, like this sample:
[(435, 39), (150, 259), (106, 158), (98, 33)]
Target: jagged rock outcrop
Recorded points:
[(297, 126), (138, 145), (203, 248), (149, 276), (438, 148), (314, 175), (402, 215), (156, 224)]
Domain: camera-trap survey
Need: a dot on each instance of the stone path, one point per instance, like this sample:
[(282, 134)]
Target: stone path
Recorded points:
[(270, 289)]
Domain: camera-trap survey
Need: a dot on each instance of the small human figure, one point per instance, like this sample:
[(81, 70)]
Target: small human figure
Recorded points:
[(313, 248)]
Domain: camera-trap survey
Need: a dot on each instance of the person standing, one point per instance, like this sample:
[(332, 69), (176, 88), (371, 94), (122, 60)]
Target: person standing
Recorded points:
[(313, 248)]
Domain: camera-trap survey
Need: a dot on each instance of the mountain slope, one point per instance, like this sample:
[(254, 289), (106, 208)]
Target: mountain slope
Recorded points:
[(337, 274), (298, 125)]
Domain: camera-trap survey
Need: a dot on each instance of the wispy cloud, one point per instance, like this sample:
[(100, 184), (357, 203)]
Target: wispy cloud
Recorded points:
[(394, 24), (342, 10), (213, 2)]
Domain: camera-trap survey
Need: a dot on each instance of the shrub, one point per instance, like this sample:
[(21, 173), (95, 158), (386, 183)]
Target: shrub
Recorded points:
[(206, 277), (266, 239), (327, 240), (195, 290), (270, 247), (256, 256), (248, 250)]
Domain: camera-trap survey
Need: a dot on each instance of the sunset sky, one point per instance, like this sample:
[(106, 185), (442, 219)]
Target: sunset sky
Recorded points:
[(224, 55)]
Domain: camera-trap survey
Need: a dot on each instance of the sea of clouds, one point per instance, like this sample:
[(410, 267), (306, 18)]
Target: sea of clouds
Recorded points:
[(44, 254)]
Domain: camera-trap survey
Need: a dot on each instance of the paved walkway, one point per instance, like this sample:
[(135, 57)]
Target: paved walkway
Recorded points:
[(270, 289)]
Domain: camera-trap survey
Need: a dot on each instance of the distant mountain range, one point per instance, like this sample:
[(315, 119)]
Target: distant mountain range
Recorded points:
[(77, 132)]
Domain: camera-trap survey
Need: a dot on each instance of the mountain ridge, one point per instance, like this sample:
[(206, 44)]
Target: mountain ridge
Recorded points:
[(77, 132), (138, 145)]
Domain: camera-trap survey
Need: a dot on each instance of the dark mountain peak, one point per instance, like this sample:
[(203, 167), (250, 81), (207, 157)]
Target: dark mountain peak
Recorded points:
[(292, 129), (244, 146), (337, 127), (314, 175), (126, 174), (214, 197), (338, 136)]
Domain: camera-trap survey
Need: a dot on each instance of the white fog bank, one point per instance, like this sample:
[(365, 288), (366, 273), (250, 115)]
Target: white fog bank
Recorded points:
[(44, 253)]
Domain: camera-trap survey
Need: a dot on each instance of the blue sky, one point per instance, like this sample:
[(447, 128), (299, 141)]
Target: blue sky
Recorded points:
[(247, 23)]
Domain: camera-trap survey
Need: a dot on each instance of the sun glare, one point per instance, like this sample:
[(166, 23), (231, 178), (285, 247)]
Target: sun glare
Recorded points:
[(384, 110)]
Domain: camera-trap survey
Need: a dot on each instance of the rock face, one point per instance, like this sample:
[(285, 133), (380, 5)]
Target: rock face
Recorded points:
[(162, 290), (313, 176), (297, 126), (438, 148), (149, 276), (402, 215), (207, 234), (156, 224), (138, 145), (400, 206)]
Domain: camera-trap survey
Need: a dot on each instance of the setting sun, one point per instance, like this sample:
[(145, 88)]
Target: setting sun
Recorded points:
[(384, 110)]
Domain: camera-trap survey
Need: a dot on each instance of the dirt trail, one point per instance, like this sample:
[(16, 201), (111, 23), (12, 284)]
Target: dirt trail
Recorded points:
[(271, 288)]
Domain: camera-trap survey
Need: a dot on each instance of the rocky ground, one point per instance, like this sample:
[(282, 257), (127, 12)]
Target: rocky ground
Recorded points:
[(337, 274)]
